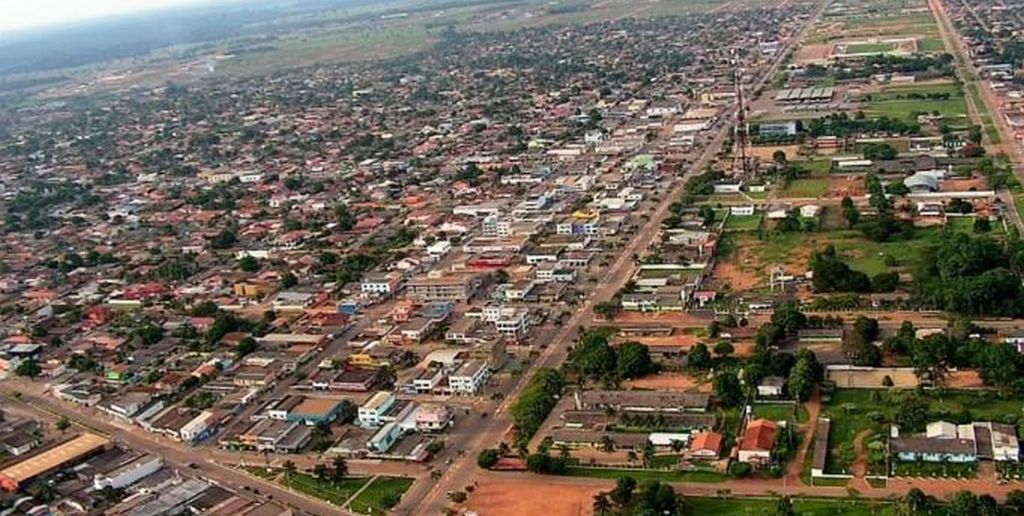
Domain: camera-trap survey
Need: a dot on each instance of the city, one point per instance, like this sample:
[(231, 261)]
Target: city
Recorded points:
[(515, 257)]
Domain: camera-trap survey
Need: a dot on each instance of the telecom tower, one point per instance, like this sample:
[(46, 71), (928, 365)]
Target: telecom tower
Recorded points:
[(742, 129)]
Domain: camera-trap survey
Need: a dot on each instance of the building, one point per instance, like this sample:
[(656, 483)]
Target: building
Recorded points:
[(776, 129), (820, 447), (380, 283), (469, 378), (758, 441), (370, 414), (642, 401), (128, 473), (452, 287), (706, 445), (314, 411), (199, 428), (385, 438), (433, 418), (946, 442), (69, 452), (771, 387)]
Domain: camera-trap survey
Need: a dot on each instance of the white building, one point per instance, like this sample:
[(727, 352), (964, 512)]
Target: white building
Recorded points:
[(371, 412), (199, 428), (469, 378), (128, 473)]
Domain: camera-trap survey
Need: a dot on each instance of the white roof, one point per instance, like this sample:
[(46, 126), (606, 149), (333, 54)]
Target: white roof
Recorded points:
[(666, 438)]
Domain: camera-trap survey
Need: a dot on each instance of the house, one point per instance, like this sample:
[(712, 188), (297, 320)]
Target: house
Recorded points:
[(433, 418), (706, 445), (380, 283), (757, 441), (742, 210), (771, 387)]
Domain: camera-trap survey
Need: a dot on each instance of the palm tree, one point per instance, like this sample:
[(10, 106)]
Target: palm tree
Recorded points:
[(607, 444), (676, 445), (563, 451), (648, 454), (631, 456), (289, 470), (602, 505), (321, 472), (387, 376), (340, 468)]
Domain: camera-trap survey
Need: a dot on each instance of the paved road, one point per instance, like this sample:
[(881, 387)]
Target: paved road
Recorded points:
[(174, 454), (429, 498)]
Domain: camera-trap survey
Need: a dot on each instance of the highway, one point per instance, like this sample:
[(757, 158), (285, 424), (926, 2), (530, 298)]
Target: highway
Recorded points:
[(429, 498)]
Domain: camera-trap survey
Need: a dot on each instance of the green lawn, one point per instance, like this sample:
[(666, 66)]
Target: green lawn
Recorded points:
[(901, 92), (641, 475), (743, 222), (931, 45), (810, 506), (870, 48), (334, 492), (780, 412), (909, 109), (381, 495), (862, 254), (805, 188), (966, 225)]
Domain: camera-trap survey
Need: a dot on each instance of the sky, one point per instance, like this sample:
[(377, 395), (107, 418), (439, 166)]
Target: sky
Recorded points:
[(22, 14)]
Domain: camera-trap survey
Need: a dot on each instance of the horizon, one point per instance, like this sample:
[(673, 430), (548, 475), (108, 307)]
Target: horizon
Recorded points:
[(44, 14)]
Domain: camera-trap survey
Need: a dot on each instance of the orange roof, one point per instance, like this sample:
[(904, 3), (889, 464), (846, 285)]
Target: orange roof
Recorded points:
[(710, 441), (759, 435)]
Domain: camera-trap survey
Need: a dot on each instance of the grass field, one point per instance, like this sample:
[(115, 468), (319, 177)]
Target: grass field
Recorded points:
[(861, 254), (908, 110), (382, 494), (641, 475), (779, 412), (931, 46), (743, 222), (811, 507), (870, 48), (805, 188), (337, 492), (901, 92)]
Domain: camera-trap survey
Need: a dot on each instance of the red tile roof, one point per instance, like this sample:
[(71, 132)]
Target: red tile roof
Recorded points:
[(759, 435)]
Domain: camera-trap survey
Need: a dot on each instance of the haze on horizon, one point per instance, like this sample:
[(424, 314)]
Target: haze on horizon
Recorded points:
[(20, 15)]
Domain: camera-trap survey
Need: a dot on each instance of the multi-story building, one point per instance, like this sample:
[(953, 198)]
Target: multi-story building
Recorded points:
[(469, 378)]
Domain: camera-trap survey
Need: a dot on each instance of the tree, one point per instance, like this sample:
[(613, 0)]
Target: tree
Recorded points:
[(658, 498), (245, 346), (912, 413), (832, 274), (624, 490), (850, 212), (607, 444), (29, 368), (727, 389), (1015, 500), (346, 220), (42, 491), (779, 158), (915, 502), (63, 424), (223, 240), (964, 503), (321, 472), (804, 375), (288, 280), (249, 264), (1000, 365), (648, 454), (289, 470), (633, 360), (602, 505), (724, 349), (487, 458), (930, 358), (339, 468), (593, 357), (784, 507), (739, 469), (859, 351), (607, 309), (699, 357)]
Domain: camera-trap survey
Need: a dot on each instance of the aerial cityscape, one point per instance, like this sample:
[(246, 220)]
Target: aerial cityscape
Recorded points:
[(515, 257)]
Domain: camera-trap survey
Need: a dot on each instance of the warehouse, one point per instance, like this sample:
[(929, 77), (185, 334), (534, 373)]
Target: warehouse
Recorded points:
[(69, 452)]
